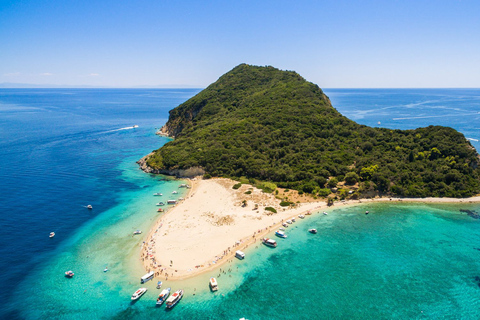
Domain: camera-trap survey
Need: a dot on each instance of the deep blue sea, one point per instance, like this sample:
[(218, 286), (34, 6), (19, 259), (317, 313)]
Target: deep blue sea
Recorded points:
[(62, 149)]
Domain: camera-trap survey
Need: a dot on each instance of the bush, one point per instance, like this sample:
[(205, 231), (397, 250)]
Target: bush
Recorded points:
[(207, 176), (324, 192), (332, 183), (248, 192), (237, 186), (351, 178), (285, 203), (270, 209)]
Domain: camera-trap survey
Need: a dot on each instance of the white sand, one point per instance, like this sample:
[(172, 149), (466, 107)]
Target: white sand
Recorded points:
[(204, 231)]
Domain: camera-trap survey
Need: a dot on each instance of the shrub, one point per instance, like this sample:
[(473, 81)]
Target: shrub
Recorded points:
[(285, 203), (324, 192), (237, 185), (270, 209), (248, 192)]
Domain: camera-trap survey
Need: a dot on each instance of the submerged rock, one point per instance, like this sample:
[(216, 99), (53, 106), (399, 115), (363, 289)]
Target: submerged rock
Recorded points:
[(471, 213)]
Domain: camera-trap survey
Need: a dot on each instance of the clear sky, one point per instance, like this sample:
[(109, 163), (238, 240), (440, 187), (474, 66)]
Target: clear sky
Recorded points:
[(336, 44)]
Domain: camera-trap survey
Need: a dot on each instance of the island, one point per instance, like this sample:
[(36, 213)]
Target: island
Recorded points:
[(261, 146)]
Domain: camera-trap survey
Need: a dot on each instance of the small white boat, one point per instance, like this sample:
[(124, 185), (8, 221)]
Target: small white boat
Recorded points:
[(367, 212), (240, 255), (280, 234), (171, 201), (105, 270), (269, 242), (312, 231), (158, 194), (159, 284), (174, 299), (135, 126), (52, 234), (174, 192), (163, 296), (289, 221), (160, 204), (89, 207), (137, 231), (283, 229), (293, 219), (69, 274), (285, 225), (301, 216), (325, 213), (138, 293), (213, 284), (183, 185)]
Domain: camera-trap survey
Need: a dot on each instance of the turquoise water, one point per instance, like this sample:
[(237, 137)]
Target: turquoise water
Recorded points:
[(402, 261)]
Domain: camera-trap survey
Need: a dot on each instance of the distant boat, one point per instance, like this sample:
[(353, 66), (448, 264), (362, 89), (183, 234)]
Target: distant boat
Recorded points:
[(367, 212), (240, 255), (69, 274), (174, 299), (174, 192), (301, 216), (52, 234), (285, 225), (158, 194), (293, 219), (325, 213), (312, 231), (280, 234), (105, 270), (213, 284), (289, 221), (269, 242), (147, 277), (137, 232), (160, 204), (89, 207), (135, 126), (159, 284), (138, 293), (172, 201), (163, 296), (160, 210)]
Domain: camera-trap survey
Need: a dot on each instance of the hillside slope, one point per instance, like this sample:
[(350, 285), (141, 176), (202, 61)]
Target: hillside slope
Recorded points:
[(272, 125)]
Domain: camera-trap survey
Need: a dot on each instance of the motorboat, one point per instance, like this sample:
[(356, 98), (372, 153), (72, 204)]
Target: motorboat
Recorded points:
[(174, 299), (285, 225), (160, 210), (174, 192), (89, 207), (301, 216), (69, 274), (293, 219), (367, 212), (283, 229), (308, 213), (312, 231), (52, 234), (172, 201), (147, 277), (137, 231), (183, 185), (213, 284), (158, 194), (159, 284), (280, 234), (325, 213), (160, 204), (289, 221), (269, 242), (163, 296), (105, 270), (138, 293), (240, 254), (135, 126)]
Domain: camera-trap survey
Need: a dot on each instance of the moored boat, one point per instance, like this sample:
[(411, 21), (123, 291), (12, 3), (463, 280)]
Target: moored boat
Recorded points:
[(285, 225), (301, 216), (289, 221), (213, 284), (160, 204), (280, 234), (147, 277), (174, 192), (174, 299), (293, 219), (69, 274), (312, 231), (172, 201), (158, 194), (269, 242), (239, 254), (163, 296), (52, 234), (159, 284), (137, 294), (137, 231), (160, 210)]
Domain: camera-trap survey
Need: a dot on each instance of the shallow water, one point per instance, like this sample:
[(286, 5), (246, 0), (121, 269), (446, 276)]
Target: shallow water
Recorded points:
[(68, 148)]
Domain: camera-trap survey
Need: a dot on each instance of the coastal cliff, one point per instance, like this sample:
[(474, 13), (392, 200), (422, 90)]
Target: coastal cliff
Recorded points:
[(264, 124)]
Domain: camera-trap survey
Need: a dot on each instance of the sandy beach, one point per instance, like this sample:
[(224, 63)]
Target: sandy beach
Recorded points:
[(203, 231)]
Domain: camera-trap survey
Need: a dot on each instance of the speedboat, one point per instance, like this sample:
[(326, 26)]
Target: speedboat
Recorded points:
[(163, 296), (106, 269), (160, 204), (367, 212), (293, 219), (312, 231), (159, 284), (285, 225), (283, 229), (138, 293), (147, 277), (69, 274), (52, 234), (301, 216), (325, 213), (135, 126), (137, 231), (158, 194), (89, 207), (213, 284), (280, 234), (269, 242), (174, 299), (289, 221), (160, 210), (174, 192)]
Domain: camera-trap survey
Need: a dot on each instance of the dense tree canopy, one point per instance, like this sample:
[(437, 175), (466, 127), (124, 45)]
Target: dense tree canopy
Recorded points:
[(272, 125)]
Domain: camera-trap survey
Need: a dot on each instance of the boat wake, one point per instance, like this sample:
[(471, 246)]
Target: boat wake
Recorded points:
[(126, 128), (472, 139)]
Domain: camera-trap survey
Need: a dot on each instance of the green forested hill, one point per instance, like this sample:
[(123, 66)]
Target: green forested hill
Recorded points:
[(272, 125)]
